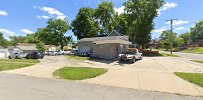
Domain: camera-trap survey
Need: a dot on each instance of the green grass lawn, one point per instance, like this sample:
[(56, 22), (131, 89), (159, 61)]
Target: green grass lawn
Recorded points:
[(20, 60), (160, 54), (78, 73), (198, 50), (198, 61), (195, 78), (9, 64), (78, 58), (169, 55)]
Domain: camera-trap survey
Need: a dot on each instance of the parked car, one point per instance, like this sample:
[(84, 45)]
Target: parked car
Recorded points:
[(51, 53), (17, 55), (35, 55), (46, 52), (131, 56), (60, 52), (68, 53)]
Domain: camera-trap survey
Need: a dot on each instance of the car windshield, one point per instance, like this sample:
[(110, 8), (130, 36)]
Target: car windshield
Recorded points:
[(129, 53)]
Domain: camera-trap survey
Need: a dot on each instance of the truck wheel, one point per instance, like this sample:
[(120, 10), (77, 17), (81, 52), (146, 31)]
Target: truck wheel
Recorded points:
[(132, 60), (141, 58), (120, 60)]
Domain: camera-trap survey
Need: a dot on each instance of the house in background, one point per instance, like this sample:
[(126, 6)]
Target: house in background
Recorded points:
[(104, 47), (26, 49), (23, 47), (4, 53), (51, 48), (56, 48)]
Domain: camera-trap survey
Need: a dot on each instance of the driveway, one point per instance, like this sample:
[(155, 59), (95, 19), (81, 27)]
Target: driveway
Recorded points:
[(152, 73), (16, 87), (43, 69)]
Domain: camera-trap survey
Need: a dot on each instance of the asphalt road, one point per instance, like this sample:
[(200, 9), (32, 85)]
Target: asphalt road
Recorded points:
[(191, 56), (16, 87)]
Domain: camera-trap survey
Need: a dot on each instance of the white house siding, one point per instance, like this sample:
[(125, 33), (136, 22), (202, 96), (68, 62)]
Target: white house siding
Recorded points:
[(4, 53)]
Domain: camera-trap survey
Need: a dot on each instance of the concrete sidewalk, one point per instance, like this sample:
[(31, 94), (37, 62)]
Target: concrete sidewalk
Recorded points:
[(154, 81), (16, 87)]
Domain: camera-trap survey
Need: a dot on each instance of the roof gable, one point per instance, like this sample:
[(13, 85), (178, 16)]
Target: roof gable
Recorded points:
[(114, 33)]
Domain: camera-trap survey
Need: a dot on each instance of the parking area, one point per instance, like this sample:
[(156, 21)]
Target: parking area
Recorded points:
[(151, 73)]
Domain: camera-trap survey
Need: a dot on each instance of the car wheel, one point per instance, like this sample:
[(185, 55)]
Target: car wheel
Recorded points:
[(16, 57), (132, 60), (141, 58), (9, 57)]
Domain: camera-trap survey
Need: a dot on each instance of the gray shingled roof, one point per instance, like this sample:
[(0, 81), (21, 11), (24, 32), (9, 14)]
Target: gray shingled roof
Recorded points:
[(104, 38), (113, 41), (27, 48)]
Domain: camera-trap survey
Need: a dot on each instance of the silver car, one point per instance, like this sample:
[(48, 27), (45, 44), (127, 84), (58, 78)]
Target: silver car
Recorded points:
[(18, 55), (53, 53)]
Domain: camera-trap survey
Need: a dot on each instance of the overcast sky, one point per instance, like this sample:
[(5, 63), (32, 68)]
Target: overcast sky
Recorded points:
[(21, 17)]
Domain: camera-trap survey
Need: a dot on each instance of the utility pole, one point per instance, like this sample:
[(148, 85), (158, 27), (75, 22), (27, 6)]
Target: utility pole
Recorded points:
[(171, 35)]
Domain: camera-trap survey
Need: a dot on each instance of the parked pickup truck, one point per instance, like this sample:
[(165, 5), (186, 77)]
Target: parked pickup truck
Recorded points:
[(131, 56)]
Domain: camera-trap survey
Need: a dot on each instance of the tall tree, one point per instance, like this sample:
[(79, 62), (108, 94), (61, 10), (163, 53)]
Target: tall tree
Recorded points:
[(197, 32), (165, 39), (40, 46), (17, 39), (104, 14), (3, 42), (84, 26), (186, 38), (120, 24), (54, 33), (140, 17), (30, 38)]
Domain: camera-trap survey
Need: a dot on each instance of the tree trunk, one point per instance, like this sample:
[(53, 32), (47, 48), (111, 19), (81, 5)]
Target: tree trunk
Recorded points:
[(62, 47)]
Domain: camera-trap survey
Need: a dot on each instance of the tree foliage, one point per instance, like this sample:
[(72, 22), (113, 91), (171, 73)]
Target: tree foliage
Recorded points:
[(197, 32), (3, 41), (40, 46), (186, 38), (140, 17), (104, 14), (165, 39), (54, 33), (121, 24), (136, 22), (17, 39), (84, 26)]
